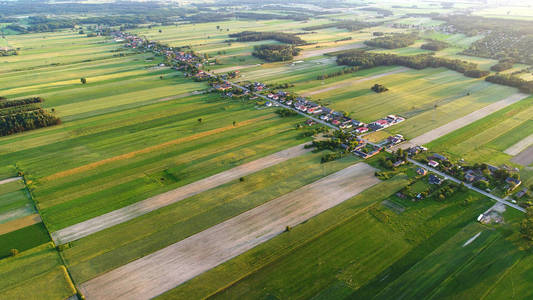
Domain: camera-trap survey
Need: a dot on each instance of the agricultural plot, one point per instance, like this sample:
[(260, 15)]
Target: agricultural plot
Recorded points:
[(428, 98), (146, 234), (171, 266), (340, 252), (487, 139), (35, 274)]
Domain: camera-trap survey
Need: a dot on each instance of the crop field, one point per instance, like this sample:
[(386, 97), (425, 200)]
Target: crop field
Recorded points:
[(111, 248), (319, 258), (427, 98), (33, 274), (487, 139)]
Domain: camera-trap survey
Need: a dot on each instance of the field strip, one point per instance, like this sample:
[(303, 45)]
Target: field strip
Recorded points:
[(173, 97), (129, 212), (464, 121), (307, 54), (352, 82), (8, 180), (16, 214), (235, 68), (132, 154), (20, 223), (520, 146), (524, 158), (167, 268)]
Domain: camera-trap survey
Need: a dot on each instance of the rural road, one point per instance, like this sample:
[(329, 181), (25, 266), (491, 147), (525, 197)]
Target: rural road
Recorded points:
[(8, 180), (448, 177), (169, 267), (461, 122), (129, 212)]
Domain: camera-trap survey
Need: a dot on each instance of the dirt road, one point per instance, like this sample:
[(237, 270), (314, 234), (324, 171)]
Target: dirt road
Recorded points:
[(352, 82), (520, 146), (461, 122), (322, 51), (124, 214), (8, 180), (167, 268)]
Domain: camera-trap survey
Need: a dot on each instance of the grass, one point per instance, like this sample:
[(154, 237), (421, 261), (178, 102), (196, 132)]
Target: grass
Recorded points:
[(35, 274), (23, 239), (15, 202)]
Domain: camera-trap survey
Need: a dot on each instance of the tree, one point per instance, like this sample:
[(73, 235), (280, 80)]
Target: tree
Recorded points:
[(234, 123), (218, 27), (160, 31), (161, 77), (199, 120), (14, 252), (526, 227), (83, 80)]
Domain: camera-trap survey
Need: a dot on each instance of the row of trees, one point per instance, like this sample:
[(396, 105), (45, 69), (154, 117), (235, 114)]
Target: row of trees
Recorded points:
[(348, 25), (338, 73), (4, 103), (365, 59), (502, 65), (510, 80), (379, 88), (399, 40), (252, 36), (27, 120), (434, 45), (275, 52)]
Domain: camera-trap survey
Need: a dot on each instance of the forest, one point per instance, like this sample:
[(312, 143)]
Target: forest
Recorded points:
[(275, 52), (23, 115), (398, 40), (434, 45), (253, 36), (365, 59)]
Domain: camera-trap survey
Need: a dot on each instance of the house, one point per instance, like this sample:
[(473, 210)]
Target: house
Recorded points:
[(361, 130), (268, 104), (398, 163), (433, 164), (514, 183), (437, 156), (521, 194), (421, 171), (433, 179), (470, 177), (335, 122)]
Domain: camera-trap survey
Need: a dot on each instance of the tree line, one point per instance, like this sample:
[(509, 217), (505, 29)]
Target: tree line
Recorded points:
[(366, 60), (434, 45), (338, 73), (23, 115), (510, 80), (275, 52), (253, 36), (398, 40), (348, 25)]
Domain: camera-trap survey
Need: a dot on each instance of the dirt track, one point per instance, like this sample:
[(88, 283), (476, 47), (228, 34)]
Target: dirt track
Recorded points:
[(167, 268), (462, 122), (8, 180), (352, 82), (520, 146), (321, 51), (124, 214), (524, 158)]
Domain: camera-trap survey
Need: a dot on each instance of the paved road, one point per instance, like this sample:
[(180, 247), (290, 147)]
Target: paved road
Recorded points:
[(467, 185)]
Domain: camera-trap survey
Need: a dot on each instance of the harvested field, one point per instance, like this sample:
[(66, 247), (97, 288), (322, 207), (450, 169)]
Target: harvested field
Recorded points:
[(525, 158), (234, 68), (158, 272), (520, 146), (351, 82), (464, 121), (19, 223), (129, 212), (317, 52)]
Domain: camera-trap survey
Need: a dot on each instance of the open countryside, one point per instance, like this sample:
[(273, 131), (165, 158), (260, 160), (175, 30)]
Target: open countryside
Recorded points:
[(343, 149)]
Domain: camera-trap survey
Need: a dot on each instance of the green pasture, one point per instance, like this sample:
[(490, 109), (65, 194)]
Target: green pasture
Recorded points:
[(23, 239), (35, 274), (14, 201)]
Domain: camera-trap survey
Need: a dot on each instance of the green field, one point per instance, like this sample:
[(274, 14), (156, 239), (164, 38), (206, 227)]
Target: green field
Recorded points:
[(35, 274), (14, 202), (23, 239), (427, 98)]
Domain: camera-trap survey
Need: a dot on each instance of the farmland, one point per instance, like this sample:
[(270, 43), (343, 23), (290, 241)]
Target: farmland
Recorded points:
[(172, 171)]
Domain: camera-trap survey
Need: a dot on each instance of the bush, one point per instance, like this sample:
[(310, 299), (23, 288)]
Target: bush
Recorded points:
[(14, 252)]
